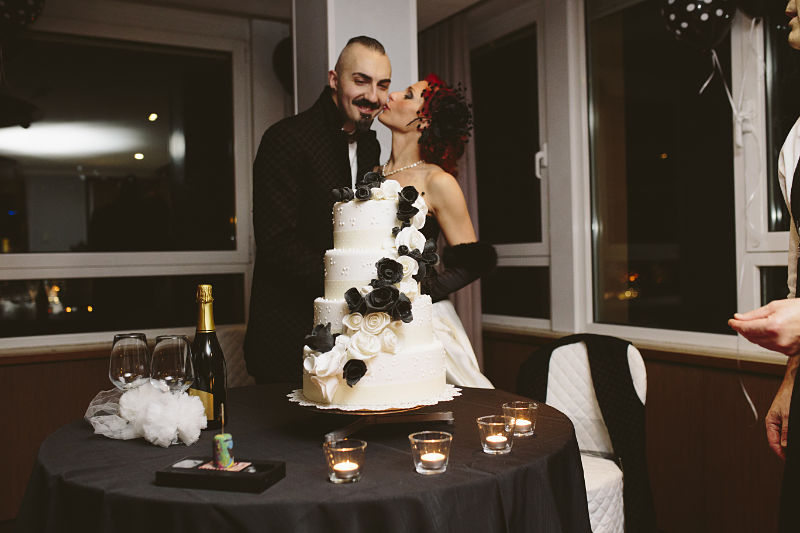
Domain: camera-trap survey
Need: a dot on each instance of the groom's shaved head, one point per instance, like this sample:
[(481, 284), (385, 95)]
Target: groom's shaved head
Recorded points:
[(347, 52)]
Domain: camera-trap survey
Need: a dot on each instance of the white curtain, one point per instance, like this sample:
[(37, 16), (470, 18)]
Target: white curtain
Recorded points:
[(444, 50)]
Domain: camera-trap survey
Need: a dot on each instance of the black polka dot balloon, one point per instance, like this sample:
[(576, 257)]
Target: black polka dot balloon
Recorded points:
[(16, 14), (702, 23)]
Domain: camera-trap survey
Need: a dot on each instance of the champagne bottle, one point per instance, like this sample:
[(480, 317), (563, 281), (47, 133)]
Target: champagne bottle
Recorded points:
[(209, 363)]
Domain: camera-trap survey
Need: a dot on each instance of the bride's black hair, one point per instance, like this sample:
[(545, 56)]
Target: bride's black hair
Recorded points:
[(445, 123)]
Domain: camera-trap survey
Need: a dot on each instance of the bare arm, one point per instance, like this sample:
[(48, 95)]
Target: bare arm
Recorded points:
[(446, 200)]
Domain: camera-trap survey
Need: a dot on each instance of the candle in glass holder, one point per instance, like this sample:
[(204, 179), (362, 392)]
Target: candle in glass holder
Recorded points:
[(430, 451), (496, 433), (524, 414), (345, 458)]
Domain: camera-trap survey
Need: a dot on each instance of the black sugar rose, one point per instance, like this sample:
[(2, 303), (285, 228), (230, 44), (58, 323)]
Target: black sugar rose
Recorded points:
[(355, 301), (363, 192), (370, 179), (353, 371), (402, 249), (402, 309), (389, 270), (343, 194), (321, 339), (406, 211), (382, 298), (422, 270), (430, 246), (408, 194)]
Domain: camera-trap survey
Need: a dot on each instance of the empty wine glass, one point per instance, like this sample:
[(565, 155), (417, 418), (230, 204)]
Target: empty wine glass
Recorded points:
[(129, 366), (171, 368)]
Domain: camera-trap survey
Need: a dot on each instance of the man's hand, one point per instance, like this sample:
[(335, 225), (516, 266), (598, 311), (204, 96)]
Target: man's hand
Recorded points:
[(777, 419), (775, 326)]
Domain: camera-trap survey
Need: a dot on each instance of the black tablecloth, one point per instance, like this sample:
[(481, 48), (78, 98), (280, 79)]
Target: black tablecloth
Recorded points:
[(86, 482)]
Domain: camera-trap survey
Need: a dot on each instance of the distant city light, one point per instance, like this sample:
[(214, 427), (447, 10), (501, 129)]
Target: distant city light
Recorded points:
[(68, 309), (11, 212), (89, 308), (664, 155), (153, 117), (138, 155)]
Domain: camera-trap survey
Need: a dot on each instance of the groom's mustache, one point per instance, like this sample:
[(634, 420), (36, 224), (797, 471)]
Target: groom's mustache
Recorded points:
[(363, 102)]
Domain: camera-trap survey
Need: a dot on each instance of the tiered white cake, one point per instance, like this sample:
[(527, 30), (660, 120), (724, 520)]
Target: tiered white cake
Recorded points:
[(386, 354)]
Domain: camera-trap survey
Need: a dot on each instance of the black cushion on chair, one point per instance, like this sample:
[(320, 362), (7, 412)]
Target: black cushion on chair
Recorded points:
[(623, 413)]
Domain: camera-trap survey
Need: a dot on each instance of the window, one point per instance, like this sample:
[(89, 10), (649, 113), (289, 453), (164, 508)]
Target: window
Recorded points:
[(85, 222), (664, 253), (510, 160), (127, 155)]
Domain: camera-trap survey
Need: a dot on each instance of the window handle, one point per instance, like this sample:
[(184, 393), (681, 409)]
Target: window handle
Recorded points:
[(540, 161)]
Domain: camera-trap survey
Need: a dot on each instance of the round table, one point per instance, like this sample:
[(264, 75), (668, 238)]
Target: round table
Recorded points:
[(86, 482)]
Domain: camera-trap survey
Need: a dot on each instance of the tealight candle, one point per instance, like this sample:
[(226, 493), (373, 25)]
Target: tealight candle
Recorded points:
[(432, 460), (496, 442), (346, 469), (522, 426)]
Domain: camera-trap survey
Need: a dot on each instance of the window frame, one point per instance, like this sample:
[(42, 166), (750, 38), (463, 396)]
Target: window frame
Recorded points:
[(156, 26)]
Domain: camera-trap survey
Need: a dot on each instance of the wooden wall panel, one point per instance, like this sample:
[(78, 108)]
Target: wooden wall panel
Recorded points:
[(710, 467), (38, 399)]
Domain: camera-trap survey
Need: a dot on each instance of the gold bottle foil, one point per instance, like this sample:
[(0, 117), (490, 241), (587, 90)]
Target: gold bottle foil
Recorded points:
[(205, 312)]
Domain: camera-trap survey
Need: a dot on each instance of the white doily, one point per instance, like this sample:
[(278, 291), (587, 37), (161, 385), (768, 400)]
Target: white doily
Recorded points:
[(445, 395)]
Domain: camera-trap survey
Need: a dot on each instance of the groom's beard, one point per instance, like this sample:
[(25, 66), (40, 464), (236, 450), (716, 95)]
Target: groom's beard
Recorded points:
[(366, 119)]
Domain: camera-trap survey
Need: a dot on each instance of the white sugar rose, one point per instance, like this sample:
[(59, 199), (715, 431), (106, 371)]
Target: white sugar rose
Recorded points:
[(419, 219), (352, 322), (327, 386), (389, 340), (409, 287), (410, 237), (390, 189), (410, 266), (331, 362), (364, 346), (375, 322), (366, 289), (377, 193)]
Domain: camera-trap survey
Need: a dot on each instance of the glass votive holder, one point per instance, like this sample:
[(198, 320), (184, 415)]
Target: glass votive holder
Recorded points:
[(524, 414), (430, 451), (497, 433), (345, 459)]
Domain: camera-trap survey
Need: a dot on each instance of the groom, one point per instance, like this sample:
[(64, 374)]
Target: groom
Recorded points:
[(299, 161)]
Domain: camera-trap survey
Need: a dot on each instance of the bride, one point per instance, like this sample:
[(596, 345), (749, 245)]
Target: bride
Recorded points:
[(430, 124)]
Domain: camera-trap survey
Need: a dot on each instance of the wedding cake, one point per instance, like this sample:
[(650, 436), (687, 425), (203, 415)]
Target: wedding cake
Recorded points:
[(372, 345)]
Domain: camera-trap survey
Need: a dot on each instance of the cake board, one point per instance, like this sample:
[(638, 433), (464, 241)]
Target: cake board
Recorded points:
[(371, 417)]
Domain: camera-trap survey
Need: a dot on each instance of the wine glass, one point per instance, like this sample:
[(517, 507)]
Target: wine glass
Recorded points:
[(171, 367), (128, 367)]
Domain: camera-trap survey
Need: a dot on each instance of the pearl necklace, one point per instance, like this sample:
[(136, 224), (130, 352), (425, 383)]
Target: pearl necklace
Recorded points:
[(395, 171)]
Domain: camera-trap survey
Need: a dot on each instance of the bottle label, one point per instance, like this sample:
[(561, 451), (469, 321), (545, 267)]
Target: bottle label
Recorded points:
[(208, 401)]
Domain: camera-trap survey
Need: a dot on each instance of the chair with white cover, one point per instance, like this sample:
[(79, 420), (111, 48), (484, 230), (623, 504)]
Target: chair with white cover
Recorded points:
[(562, 374)]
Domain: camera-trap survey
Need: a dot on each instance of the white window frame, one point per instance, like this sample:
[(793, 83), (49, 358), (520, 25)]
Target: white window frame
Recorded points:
[(160, 26)]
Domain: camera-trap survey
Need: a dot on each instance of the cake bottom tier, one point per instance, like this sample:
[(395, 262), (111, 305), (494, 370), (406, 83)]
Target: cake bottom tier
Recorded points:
[(417, 374)]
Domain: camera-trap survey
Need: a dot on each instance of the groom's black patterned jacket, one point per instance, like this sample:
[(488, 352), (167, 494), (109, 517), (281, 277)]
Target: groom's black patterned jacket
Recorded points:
[(299, 161)]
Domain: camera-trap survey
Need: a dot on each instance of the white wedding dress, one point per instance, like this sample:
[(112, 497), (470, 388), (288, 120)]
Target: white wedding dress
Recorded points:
[(460, 361)]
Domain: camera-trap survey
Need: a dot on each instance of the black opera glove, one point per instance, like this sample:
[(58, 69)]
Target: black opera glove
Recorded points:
[(464, 263)]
